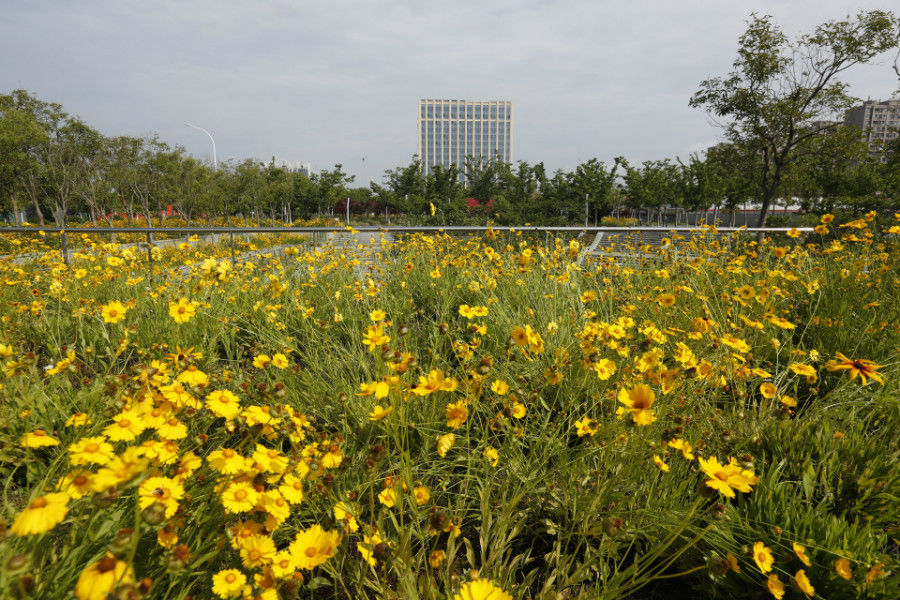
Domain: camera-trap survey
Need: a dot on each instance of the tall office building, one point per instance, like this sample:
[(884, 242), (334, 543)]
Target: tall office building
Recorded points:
[(879, 121), (451, 130)]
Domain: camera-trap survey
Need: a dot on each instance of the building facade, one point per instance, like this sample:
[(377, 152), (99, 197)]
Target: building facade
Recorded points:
[(294, 166), (879, 121), (451, 130)]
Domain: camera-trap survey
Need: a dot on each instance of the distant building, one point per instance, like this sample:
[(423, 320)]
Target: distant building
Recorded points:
[(451, 130), (878, 120), (294, 166)]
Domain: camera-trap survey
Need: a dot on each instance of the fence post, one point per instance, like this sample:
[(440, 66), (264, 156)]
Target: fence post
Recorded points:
[(150, 254), (65, 248)]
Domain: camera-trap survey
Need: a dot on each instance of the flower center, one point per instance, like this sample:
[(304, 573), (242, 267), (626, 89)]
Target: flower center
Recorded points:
[(240, 495), (38, 503), (92, 447)]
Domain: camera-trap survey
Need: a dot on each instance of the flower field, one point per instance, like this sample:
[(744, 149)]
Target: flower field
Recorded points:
[(477, 418)]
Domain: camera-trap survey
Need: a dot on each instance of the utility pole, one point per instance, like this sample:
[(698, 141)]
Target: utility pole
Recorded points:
[(586, 213), (348, 210)]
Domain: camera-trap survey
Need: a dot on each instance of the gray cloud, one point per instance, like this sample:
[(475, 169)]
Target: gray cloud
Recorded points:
[(332, 83)]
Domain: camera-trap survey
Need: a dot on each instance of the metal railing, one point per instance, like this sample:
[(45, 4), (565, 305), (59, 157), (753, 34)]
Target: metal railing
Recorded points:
[(148, 232)]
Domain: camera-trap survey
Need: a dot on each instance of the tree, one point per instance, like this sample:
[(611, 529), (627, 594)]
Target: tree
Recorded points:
[(779, 88), (20, 134)]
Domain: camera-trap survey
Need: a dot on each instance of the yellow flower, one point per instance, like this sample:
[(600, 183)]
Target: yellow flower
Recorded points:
[(727, 478), (684, 446), (270, 460), (388, 496), (78, 419), (38, 439), (239, 497), (604, 368), (800, 551), (226, 461), (291, 489), (379, 389), (500, 387), (803, 583), (182, 311), (172, 429), (42, 514), (518, 410), (767, 390), (874, 572), (344, 513), (377, 315), (639, 399), (126, 426), (863, 368), (842, 568), (379, 412), (367, 548), (91, 451), (457, 413), (283, 565), (257, 550), (436, 558), (762, 556), (228, 583), (788, 401), (492, 455), (193, 376), (435, 381), (114, 312), (422, 494), (374, 337), (314, 546), (223, 403), (162, 490), (585, 426), (280, 361), (776, 588), (805, 370), (666, 300), (445, 442), (261, 361), (102, 577), (659, 463), (76, 484), (481, 589)]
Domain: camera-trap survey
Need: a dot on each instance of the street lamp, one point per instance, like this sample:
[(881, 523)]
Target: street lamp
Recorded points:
[(215, 162)]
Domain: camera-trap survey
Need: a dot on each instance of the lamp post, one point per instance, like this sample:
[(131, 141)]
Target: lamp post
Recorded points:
[(215, 162)]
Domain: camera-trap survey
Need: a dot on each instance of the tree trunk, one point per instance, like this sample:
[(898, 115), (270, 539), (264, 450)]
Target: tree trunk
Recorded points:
[(37, 209), (17, 218)]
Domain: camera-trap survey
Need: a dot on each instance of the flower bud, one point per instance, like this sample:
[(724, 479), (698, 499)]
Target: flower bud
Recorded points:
[(154, 514)]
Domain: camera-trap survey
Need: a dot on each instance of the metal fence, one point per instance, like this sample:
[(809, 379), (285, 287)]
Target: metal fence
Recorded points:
[(322, 232)]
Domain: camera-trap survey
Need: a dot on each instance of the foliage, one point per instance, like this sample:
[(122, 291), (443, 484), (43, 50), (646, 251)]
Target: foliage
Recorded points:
[(497, 414)]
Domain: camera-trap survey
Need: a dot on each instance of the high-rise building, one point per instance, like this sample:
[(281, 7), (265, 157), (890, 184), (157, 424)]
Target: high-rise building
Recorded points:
[(451, 130), (294, 166), (879, 121)]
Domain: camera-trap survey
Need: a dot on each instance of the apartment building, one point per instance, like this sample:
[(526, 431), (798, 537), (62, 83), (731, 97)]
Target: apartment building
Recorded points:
[(879, 121), (451, 130)]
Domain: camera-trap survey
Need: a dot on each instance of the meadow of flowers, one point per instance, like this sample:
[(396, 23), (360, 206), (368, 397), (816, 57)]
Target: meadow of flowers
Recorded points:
[(478, 418)]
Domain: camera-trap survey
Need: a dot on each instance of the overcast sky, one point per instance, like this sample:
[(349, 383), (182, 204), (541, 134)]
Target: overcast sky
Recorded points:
[(333, 81)]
